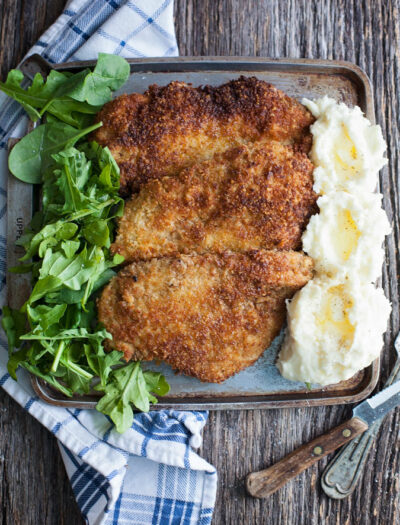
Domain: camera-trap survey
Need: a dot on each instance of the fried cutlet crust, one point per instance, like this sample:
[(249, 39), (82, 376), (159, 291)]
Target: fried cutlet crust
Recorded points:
[(208, 316), (174, 126), (251, 197)]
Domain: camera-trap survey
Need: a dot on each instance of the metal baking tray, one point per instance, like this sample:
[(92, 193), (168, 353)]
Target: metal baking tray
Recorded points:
[(261, 385)]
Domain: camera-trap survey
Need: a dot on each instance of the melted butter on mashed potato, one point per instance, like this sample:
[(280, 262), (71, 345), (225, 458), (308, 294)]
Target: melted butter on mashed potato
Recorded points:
[(346, 236), (334, 330), (347, 150), (336, 322)]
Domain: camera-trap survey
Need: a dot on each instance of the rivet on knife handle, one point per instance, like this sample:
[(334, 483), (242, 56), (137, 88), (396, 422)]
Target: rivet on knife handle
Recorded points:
[(266, 482), (342, 473), (340, 477)]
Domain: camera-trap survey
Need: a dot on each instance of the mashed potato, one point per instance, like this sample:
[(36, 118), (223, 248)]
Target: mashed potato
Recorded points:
[(336, 322), (347, 150), (346, 237), (334, 330)]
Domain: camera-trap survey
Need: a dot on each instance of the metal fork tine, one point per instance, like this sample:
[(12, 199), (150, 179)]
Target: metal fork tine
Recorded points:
[(342, 473)]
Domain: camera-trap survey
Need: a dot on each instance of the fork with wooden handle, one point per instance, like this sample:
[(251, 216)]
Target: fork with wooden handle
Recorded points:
[(340, 477), (365, 416)]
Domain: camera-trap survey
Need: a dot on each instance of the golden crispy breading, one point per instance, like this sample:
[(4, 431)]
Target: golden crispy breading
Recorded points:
[(251, 197), (221, 172), (173, 127), (208, 316)]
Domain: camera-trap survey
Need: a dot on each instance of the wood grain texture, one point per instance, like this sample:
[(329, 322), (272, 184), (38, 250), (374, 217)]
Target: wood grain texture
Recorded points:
[(367, 33), (34, 488), (265, 482), (33, 485)]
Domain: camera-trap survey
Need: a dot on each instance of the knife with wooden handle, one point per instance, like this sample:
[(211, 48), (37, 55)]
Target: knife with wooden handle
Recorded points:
[(340, 477), (266, 482)]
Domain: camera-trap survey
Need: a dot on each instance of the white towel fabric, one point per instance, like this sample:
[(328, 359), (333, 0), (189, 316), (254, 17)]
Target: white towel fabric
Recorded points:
[(150, 474)]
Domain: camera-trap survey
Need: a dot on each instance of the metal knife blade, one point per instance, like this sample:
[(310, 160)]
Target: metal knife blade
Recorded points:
[(343, 472), (265, 482), (379, 405)]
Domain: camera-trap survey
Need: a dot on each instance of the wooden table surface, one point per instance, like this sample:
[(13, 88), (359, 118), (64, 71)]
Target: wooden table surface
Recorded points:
[(34, 488)]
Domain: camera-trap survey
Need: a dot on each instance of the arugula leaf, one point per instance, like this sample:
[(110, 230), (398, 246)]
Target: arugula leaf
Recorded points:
[(65, 295), (110, 73), (101, 362), (76, 114), (63, 335), (13, 89), (126, 386), (72, 178), (69, 97), (156, 383), (14, 325), (77, 383), (103, 278), (48, 377), (37, 95), (97, 233), (21, 268), (72, 272), (68, 244), (70, 248), (15, 360), (45, 316), (109, 175), (44, 286), (59, 230), (69, 366), (50, 96), (32, 154)]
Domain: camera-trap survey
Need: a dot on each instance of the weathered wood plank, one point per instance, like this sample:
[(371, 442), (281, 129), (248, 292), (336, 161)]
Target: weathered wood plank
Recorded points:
[(33, 486), (366, 33)]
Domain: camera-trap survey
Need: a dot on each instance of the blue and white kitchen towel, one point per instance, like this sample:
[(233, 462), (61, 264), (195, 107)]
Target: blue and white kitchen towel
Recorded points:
[(150, 474)]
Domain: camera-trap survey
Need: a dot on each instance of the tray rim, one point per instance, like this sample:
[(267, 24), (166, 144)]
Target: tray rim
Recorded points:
[(34, 63), (304, 399), (212, 61)]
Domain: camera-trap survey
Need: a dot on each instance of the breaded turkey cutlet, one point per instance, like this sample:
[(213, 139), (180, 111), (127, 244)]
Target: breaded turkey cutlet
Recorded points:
[(206, 315), (220, 190), (250, 197), (175, 126)]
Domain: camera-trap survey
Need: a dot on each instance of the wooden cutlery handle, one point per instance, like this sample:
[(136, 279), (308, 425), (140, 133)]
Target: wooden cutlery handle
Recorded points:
[(262, 484)]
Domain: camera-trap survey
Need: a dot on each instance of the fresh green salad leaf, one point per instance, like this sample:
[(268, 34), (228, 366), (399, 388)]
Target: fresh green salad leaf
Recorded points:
[(21, 268), (69, 98), (44, 286), (110, 73), (50, 96), (97, 233), (70, 248), (32, 155), (101, 363), (56, 335), (129, 386), (14, 325), (12, 88), (48, 235), (15, 360), (45, 316)]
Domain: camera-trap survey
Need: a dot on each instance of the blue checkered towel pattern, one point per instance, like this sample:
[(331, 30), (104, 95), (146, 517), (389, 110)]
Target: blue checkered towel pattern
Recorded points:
[(150, 474)]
